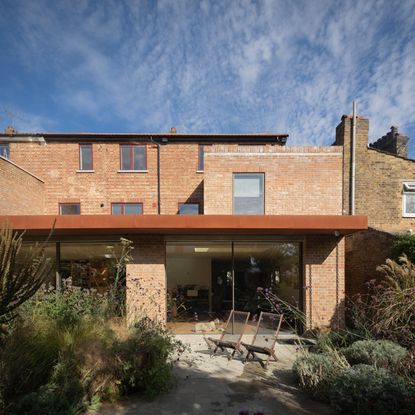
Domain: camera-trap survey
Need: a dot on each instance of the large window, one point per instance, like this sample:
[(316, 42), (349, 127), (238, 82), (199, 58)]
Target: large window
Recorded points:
[(206, 279), (126, 208), (133, 157), (248, 193), (5, 151), (409, 199), (69, 208), (188, 208), (85, 157)]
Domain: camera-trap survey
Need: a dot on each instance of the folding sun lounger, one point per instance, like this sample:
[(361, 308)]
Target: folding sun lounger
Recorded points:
[(232, 333), (265, 337)]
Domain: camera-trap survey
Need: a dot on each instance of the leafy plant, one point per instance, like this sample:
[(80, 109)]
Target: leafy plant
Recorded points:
[(388, 310), (380, 353), (19, 280), (364, 389), (316, 372), (404, 245)]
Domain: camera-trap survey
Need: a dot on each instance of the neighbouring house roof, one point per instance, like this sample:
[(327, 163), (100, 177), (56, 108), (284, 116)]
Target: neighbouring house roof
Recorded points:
[(158, 137), (186, 224)]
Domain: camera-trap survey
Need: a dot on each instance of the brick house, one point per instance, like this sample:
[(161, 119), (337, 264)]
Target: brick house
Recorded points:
[(385, 193), (212, 217)]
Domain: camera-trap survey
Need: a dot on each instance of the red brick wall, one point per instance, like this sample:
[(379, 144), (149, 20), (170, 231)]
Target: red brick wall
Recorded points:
[(298, 180), (20, 192), (58, 163), (324, 281), (146, 280)]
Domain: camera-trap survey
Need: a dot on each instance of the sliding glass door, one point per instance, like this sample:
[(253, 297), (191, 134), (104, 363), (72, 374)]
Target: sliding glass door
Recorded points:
[(207, 279)]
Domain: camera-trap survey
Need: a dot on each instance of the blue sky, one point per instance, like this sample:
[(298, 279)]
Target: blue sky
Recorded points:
[(207, 66)]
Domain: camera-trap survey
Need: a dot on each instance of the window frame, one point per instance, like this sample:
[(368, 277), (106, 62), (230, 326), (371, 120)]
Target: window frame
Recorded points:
[(80, 157), (180, 204), (263, 191), (122, 204), (132, 145), (200, 148), (405, 192), (7, 146), (66, 204)]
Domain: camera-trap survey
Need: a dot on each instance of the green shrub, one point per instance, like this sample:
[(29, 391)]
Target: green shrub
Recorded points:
[(316, 373), (63, 356), (336, 339), (381, 353), (404, 244), (365, 389)]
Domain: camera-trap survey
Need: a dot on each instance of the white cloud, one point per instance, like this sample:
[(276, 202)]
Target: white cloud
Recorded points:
[(225, 66)]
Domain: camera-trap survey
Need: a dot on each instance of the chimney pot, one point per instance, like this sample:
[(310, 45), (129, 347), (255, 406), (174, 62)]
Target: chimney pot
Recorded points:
[(173, 130), (10, 130)]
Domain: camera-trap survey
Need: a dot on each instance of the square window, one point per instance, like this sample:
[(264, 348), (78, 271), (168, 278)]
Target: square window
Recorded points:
[(248, 193), (188, 208), (133, 157), (5, 151), (69, 208), (127, 208), (85, 157)]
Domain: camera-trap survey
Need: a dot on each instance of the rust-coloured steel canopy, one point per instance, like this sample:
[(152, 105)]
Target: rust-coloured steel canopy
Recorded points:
[(186, 224)]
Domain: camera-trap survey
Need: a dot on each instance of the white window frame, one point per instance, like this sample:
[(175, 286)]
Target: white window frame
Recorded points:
[(408, 189)]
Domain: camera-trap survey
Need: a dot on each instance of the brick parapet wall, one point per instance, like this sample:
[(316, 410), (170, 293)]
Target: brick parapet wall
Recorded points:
[(21, 193), (298, 180)]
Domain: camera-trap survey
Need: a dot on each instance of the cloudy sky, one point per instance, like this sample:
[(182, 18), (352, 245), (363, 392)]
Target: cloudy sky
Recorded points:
[(207, 66)]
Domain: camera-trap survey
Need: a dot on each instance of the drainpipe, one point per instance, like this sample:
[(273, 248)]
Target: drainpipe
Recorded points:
[(353, 163), (158, 175), (164, 140)]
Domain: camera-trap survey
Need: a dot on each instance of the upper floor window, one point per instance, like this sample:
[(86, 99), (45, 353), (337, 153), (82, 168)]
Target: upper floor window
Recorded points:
[(133, 157), (5, 151), (408, 199), (85, 157), (69, 208), (248, 193), (188, 208), (201, 158), (126, 208)]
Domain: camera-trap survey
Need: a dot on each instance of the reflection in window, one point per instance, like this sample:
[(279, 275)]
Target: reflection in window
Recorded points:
[(189, 208), (85, 157), (89, 265), (126, 208), (69, 208), (5, 151), (201, 158), (133, 157), (248, 193), (409, 199)]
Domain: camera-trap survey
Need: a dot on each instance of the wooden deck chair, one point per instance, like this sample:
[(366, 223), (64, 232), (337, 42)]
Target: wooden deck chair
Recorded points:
[(232, 333), (265, 337)]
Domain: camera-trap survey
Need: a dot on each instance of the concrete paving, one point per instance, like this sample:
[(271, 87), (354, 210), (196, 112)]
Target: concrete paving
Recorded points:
[(216, 385)]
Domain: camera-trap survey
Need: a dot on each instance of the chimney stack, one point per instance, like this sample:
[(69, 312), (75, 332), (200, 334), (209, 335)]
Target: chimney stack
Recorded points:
[(10, 130), (393, 142), (173, 130)]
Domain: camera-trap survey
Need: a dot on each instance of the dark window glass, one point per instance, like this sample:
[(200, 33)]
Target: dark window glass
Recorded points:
[(133, 157), (70, 209), (5, 151), (127, 208), (201, 164), (85, 157), (248, 193), (189, 209)]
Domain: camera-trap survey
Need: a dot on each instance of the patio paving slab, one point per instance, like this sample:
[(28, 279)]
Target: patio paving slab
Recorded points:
[(216, 385)]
